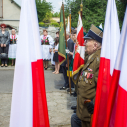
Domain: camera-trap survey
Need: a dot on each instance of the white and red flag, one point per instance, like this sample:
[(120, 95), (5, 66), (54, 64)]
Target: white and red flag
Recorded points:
[(117, 101), (29, 104), (107, 61), (79, 49)]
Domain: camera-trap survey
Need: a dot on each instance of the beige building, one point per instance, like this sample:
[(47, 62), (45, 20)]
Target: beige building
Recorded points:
[(10, 12)]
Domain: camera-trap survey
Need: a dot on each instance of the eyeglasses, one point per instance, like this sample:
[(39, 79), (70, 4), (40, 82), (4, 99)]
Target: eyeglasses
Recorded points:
[(2, 27)]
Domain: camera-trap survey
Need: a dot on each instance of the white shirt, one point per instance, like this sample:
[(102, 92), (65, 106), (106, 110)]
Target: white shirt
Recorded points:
[(56, 47)]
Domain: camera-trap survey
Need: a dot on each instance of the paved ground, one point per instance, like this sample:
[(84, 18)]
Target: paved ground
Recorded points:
[(59, 102)]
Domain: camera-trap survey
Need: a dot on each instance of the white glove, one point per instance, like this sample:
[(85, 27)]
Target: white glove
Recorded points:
[(67, 51)]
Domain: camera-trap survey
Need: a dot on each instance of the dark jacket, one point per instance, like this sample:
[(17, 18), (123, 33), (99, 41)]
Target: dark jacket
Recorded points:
[(4, 38), (70, 45)]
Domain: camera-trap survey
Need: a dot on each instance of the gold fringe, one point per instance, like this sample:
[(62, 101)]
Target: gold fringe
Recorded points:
[(63, 57), (75, 72)]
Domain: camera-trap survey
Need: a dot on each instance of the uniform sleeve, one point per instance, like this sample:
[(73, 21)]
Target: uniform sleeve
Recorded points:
[(8, 38), (96, 73)]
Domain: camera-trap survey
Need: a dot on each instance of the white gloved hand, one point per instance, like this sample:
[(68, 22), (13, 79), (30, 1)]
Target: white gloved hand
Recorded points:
[(67, 51)]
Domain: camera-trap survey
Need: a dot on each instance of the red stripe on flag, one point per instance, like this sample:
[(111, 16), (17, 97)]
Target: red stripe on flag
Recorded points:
[(78, 61), (40, 110), (60, 58), (80, 38), (112, 97), (121, 108), (101, 100)]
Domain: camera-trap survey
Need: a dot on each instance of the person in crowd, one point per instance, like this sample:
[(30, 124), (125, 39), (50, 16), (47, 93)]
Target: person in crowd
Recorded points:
[(74, 38), (13, 46), (70, 47), (47, 43), (4, 44), (51, 50), (55, 58), (57, 34), (87, 81)]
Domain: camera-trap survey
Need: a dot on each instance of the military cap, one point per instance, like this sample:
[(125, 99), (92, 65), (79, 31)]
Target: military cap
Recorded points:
[(94, 33)]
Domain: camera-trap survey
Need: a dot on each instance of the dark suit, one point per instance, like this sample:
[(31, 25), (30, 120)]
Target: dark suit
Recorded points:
[(70, 44)]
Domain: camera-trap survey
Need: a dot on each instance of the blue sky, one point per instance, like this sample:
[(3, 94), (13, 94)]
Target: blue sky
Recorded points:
[(56, 4)]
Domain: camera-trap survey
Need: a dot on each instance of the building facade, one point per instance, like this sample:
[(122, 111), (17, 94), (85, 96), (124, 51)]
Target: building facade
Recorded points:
[(10, 12)]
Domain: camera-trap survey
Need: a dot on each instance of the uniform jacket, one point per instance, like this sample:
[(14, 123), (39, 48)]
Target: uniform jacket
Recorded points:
[(70, 45), (4, 38), (86, 87)]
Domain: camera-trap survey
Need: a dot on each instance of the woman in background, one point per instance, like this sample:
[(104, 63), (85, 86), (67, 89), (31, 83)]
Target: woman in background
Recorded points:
[(4, 44), (12, 46), (47, 43), (55, 58)]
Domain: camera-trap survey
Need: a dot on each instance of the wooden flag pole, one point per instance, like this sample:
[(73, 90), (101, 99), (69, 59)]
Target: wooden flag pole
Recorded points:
[(66, 47)]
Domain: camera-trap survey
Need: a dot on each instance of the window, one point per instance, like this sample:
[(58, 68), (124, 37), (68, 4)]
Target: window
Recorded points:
[(1, 8)]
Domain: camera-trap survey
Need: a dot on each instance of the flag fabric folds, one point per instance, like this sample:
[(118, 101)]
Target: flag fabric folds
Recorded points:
[(62, 44), (116, 109), (29, 104), (108, 56), (79, 55)]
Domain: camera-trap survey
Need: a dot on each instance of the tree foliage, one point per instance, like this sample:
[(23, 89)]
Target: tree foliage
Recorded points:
[(93, 11), (56, 14), (43, 8), (47, 17)]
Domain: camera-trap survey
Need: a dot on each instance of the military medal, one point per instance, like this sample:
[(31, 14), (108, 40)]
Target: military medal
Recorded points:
[(90, 69), (91, 76), (86, 80), (91, 82), (88, 75)]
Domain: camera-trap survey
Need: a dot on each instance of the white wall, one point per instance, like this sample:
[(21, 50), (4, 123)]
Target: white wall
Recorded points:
[(11, 12)]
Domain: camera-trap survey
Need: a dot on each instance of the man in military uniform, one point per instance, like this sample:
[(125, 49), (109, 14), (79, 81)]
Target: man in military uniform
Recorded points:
[(87, 80)]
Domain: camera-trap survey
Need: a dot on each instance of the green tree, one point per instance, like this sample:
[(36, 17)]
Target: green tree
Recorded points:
[(93, 11), (56, 14), (47, 17), (42, 8)]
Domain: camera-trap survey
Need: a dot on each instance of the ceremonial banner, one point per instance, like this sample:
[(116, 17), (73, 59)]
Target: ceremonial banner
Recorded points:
[(62, 44), (107, 61), (29, 104), (117, 100), (79, 50)]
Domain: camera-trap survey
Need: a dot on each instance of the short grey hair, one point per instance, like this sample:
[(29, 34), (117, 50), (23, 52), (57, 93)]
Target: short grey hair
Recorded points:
[(67, 33), (13, 29), (98, 44)]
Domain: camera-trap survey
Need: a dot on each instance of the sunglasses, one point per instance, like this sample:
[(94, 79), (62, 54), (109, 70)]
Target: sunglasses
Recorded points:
[(2, 27)]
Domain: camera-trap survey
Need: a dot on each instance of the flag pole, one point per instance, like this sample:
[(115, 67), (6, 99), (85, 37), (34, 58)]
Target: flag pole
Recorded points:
[(70, 20), (81, 8), (66, 47)]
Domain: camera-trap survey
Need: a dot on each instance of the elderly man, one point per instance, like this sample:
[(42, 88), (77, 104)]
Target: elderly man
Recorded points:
[(70, 44), (87, 81)]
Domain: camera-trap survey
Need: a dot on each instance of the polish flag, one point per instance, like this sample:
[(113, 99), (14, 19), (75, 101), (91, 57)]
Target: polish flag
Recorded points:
[(79, 53), (108, 56), (29, 104), (117, 101)]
